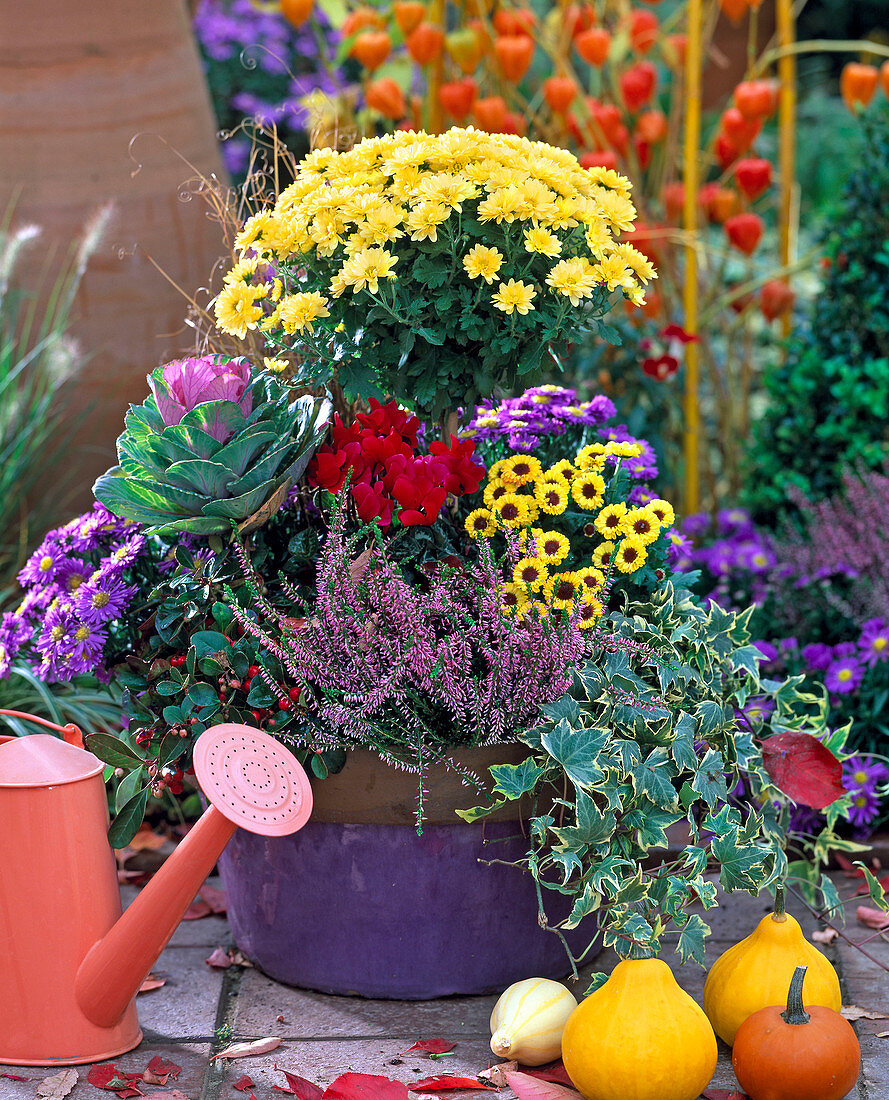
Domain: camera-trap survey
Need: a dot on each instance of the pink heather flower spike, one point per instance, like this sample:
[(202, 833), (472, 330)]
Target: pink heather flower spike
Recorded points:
[(184, 384)]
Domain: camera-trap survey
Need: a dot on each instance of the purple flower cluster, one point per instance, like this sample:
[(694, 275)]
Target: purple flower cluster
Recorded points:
[(525, 422), (736, 546), (862, 775), (844, 666), (76, 584)]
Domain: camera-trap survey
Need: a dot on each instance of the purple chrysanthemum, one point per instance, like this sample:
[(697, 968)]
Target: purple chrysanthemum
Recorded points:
[(843, 675)]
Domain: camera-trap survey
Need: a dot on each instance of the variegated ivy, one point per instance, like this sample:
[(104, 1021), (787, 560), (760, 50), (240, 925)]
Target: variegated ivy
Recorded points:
[(654, 734)]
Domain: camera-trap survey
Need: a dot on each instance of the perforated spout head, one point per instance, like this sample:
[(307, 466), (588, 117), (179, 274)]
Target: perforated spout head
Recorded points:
[(253, 780)]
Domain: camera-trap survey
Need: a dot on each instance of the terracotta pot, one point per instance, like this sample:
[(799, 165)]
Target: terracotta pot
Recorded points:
[(78, 84), (358, 903)]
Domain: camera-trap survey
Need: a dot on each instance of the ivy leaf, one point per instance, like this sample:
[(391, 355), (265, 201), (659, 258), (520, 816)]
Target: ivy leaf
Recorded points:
[(747, 658), (565, 707), (804, 769), (711, 718), (709, 780), (577, 751), (874, 886), (742, 865), (691, 940), (514, 780), (652, 778), (682, 748)]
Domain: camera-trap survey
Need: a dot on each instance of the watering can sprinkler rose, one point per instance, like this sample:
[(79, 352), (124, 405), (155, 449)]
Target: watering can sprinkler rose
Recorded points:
[(73, 963)]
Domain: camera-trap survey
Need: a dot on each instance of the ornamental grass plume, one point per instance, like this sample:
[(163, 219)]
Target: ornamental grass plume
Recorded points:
[(413, 671)]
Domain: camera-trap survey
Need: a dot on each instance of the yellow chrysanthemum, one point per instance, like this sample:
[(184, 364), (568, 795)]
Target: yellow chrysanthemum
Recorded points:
[(501, 205), (551, 496), (495, 489), (616, 208), (530, 572), (514, 598), (631, 555), (588, 490), (542, 241), (243, 271), (591, 457), (366, 267), (601, 556), (663, 509), (574, 278), (590, 613), (641, 524), (276, 366), (256, 228), (482, 262), (561, 590), (297, 312), (520, 469), (641, 267), (613, 272), (563, 468), (480, 524), (236, 310), (494, 471), (609, 522), (551, 547), (590, 580), (424, 220), (513, 510), (607, 177), (514, 297)]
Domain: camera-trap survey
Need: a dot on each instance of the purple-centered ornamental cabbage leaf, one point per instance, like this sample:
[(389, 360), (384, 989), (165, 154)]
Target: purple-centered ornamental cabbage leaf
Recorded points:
[(182, 385)]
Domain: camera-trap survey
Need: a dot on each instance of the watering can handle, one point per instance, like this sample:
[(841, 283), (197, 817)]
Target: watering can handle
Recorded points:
[(71, 733)]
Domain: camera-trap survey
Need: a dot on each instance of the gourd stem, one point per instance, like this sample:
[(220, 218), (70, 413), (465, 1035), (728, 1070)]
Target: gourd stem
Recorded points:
[(795, 1013), (779, 916)]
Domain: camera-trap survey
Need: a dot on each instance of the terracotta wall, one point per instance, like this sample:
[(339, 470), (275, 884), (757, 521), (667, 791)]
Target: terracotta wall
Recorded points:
[(79, 81)]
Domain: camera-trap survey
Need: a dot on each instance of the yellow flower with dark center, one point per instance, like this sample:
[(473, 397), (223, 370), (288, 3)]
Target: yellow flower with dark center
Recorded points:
[(591, 457), (531, 572), (590, 612), (641, 524), (631, 555), (562, 468), (609, 522), (513, 598), (588, 490), (494, 490), (561, 590), (482, 262), (591, 580), (551, 547), (514, 297), (512, 510), (520, 469), (602, 555), (480, 524), (663, 509), (551, 496)]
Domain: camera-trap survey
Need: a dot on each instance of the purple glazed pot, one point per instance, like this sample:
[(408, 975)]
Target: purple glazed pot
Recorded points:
[(370, 908)]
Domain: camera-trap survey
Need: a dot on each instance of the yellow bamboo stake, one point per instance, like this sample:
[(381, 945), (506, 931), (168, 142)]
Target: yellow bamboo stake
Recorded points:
[(436, 72), (787, 136), (690, 179)]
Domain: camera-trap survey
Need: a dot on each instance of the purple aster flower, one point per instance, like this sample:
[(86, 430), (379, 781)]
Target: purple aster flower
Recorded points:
[(873, 645), (817, 656), (865, 807), (102, 598), (787, 645), (42, 565), (844, 674), (758, 708), (72, 573), (125, 555), (861, 772), (768, 651), (734, 521), (236, 154), (756, 557), (696, 524), (845, 649), (679, 551)]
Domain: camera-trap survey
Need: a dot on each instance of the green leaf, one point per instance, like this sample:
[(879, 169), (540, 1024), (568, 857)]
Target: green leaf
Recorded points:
[(748, 658), (597, 980), (691, 940), (577, 751), (514, 780), (565, 707), (831, 901), (874, 889), (127, 822), (129, 786), (682, 748), (653, 778), (742, 866), (475, 813), (206, 642), (167, 687), (201, 476), (113, 751), (203, 695), (711, 717), (709, 780)]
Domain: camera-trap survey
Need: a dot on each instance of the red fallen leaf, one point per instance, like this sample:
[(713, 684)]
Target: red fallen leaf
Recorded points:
[(299, 1086), (527, 1087), (431, 1046), (158, 1065), (153, 1079), (872, 918), (724, 1094), (220, 959), (365, 1086), (803, 768), (196, 910), (152, 982), (115, 1080), (244, 1084), (552, 1071), (444, 1082), (214, 898), (14, 1077)]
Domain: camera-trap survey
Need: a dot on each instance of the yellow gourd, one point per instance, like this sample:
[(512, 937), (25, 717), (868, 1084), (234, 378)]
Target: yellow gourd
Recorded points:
[(528, 1019), (639, 1037), (756, 973)]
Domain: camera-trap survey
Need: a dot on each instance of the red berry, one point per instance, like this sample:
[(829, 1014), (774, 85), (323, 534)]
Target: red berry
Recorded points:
[(178, 661), (284, 704), (252, 670), (256, 716), (295, 693), (271, 723)]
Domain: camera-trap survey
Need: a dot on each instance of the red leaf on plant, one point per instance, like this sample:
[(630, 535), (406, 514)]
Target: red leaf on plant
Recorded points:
[(527, 1087), (552, 1071), (299, 1086), (220, 959), (804, 769), (214, 898), (431, 1046), (244, 1084), (196, 910), (872, 918), (365, 1086), (443, 1082)]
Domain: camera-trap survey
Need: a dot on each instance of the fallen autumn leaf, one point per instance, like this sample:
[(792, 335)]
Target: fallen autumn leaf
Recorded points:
[(244, 1084), (152, 982), (298, 1086), (365, 1086), (527, 1087), (247, 1050), (853, 1012), (58, 1085), (552, 1071), (872, 918), (445, 1082), (497, 1074), (431, 1046)]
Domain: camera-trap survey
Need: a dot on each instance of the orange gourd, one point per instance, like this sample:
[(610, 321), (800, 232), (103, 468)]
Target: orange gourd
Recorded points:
[(806, 1052), (756, 972)]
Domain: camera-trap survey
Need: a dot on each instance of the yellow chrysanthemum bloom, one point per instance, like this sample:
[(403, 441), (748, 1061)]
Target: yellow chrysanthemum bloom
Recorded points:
[(236, 310), (641, 524), (590, 580), (500, 206), (480, 524), (563, 468), (607, 177), (561, 590), (514, 599), (298, 311), (424, 220), (494, 490), (542, 241), (243, 270), (601, 556), (575, 278), (616, 208), (590, 613), (520, 469), (663, 509), (631, 555), (609, 522), (482, 262), (494, 471), (514, 297), (551, 547), (256, 228), (530, 572), (591, 457), (588, 490), (613, 272), (639, 264), (448, 189), (366, 267), (276, 366), (513, 510), (551, 496)]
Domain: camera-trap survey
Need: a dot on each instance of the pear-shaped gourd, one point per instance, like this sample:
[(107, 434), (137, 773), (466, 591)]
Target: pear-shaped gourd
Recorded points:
[(756, 973), (528, 1020), (639, 1037)]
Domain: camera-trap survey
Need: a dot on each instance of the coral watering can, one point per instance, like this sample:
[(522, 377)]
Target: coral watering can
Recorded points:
[(71, 963)]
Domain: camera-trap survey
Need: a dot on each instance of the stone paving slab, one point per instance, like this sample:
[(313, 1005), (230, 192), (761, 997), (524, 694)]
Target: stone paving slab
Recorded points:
[(185, 1008)]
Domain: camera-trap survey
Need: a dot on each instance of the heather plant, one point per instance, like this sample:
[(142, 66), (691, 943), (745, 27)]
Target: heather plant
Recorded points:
[(654, 735)]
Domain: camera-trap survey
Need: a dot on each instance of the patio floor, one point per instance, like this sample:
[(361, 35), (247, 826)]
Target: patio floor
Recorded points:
[(201, 1010)]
